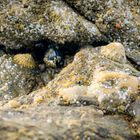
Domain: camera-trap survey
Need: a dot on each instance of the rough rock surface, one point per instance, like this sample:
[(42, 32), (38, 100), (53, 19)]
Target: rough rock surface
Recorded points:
[(82, 69), (24, 22), (63, 123), (16, 80), (115, 19), (94, 97), (52, 113)]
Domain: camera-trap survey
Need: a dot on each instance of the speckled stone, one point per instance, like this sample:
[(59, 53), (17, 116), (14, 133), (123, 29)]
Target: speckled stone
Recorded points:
[(51, 19), (16, 80), (91, 21), (55, 122), (91, 70)]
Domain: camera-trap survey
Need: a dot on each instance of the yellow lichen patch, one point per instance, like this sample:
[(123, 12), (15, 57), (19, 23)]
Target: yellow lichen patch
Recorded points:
[(24, 60), (114, 51), (55, 17), (106, 83), (13, 104)]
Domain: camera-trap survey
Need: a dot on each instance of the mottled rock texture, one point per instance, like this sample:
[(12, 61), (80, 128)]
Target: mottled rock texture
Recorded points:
[(83, 22), (69, 107), (63, 123), (44, 115), (22, 23), (16, 80), (92, 75)]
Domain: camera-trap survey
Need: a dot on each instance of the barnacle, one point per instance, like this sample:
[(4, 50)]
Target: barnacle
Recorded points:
[(25, 60), (109, 83), (114, 51)]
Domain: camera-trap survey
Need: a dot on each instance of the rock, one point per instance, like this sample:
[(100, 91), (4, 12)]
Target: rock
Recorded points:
[(88, 22), (136, 110), (15, 79), (134, 56), (115, 52), (21, 25), (43, 122), (68, 107), (117, 20), (114, 91), (93, 78)]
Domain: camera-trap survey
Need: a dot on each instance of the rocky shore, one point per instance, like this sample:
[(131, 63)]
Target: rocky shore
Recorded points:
[(69, 70)]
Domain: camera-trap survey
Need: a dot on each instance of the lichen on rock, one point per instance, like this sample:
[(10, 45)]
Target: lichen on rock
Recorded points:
[(94, 78), (16, 80), (21, 26), (94, 97)]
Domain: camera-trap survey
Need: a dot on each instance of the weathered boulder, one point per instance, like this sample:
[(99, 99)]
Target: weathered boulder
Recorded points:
[(117, 20), (17, 80), (55, 122), (24, 22), (96, 76), (70, 107)]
